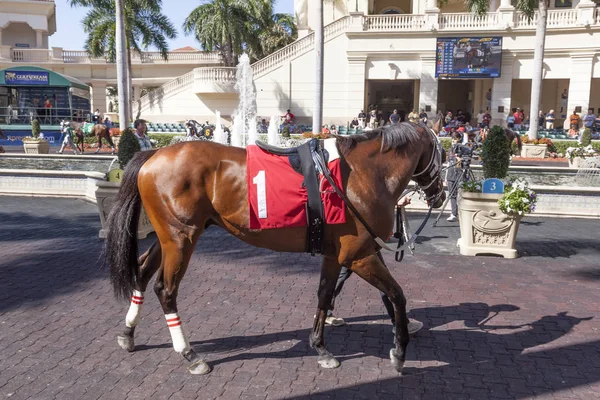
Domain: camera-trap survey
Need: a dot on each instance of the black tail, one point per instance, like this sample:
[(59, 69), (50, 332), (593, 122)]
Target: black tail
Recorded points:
[(120, 246)]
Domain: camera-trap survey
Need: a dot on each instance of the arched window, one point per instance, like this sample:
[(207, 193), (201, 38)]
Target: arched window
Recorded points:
[(392, 10)]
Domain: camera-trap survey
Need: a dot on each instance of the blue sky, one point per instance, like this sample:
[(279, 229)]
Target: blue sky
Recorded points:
[(69, 33)]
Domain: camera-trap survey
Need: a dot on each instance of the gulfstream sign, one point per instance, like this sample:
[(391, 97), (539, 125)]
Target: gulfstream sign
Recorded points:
[(26, 77)]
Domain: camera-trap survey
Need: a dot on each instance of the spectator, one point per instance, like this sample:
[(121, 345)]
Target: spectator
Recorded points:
[(574, 120), (423, 117), (550, 120), (518, 119), (48, 107), (263, 127), (96, 117), (107, 123), (510, 121), (395, 117), (488, 99), (589, 120), (333, 130), (598, 123), (448, 118), (480, 119), (460, 117), (325, 131), (487, 118), (140, 133), (373, 119), (541, 119), (354, 123), (362, 119), (289, 118), (413, 116), (564, 97)]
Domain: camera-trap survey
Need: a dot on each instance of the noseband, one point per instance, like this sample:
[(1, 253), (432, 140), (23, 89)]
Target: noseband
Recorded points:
[(433, 170)]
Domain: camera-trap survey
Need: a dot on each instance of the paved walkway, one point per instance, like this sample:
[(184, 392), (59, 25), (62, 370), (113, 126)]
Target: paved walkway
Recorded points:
[(494, 328)]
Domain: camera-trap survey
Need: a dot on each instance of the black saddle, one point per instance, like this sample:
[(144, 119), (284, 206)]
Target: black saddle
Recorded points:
[(306, 160)]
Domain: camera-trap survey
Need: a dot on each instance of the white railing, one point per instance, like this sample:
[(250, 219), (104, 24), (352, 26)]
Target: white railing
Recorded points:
[(31, 55), (168, 88), (215, 74), (468, 21), (556, 19), (298, 48), (397, 22), (153, 56)]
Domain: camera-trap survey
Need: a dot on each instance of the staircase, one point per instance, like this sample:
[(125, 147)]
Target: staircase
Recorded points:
[(203, 77)]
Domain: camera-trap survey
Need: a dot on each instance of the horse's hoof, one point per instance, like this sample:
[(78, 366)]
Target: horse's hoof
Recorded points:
[(126, 343), (328, 362), (396, 362), (199, 368)]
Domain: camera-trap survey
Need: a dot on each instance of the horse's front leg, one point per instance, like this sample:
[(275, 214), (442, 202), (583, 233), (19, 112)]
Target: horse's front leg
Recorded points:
[(330, 270), (372, 270)]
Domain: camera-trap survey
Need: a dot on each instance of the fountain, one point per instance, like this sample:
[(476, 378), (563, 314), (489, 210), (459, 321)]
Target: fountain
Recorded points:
[(273, 134), (245, 115), (219, 134), (252, 134)]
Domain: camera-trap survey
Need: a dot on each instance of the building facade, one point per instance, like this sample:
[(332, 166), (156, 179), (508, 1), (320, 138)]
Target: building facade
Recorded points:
[(383, 52), (25, 26)]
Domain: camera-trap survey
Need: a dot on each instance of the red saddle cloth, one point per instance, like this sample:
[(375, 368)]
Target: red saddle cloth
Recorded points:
[(276, 198)]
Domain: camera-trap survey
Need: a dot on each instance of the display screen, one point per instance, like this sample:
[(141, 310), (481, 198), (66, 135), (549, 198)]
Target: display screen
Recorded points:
[(468, 57)]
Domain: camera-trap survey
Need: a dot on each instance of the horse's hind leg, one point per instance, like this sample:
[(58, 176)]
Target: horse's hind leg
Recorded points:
[(177, 252), (149, 263), (330, 270), (372, 270)]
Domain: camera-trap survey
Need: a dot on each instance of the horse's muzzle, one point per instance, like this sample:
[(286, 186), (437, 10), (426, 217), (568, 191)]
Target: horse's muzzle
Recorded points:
[(440, 201)]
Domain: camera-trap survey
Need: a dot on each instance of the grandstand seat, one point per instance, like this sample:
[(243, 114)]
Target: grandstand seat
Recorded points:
[(343, 130)]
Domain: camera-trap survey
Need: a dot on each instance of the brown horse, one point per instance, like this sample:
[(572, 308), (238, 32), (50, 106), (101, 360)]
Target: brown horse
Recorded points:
[(512, 136), (98, 131), (188, 186)]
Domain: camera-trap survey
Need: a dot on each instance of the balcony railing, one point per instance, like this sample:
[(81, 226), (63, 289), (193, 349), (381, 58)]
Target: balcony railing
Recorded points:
[(31, 55), (82, 57), (458, 21), (401, 22), (217, 74)]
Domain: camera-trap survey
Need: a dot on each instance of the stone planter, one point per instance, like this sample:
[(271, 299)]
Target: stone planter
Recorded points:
[(105, 197), (534, 150), (39, 147), (584, 162), (484, 229)]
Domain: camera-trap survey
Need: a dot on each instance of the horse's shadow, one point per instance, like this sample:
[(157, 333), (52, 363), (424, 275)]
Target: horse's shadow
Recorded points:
[(474, 343)]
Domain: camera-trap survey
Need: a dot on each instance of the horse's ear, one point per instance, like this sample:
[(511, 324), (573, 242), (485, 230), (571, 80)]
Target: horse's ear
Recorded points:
[(436, 126)]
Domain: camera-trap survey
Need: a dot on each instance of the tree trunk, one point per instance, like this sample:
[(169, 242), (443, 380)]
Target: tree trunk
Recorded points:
[(122, 69), (319, 45), (538, 64)]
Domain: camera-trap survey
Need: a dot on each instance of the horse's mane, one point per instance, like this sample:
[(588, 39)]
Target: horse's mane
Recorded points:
[(392, 137)]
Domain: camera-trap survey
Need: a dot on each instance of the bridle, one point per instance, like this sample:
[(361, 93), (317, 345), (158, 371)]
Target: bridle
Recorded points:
[(434, 168)]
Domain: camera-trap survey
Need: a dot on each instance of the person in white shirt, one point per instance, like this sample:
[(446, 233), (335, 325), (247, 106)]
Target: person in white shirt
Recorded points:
[(480, 118)]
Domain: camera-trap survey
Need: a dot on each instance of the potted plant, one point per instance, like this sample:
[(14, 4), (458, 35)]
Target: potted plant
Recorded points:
[(34, 144), (484, 227), (107, 190), (537, 148), (577, 155)]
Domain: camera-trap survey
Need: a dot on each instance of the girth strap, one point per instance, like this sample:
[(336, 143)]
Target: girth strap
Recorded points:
[(314, 207)]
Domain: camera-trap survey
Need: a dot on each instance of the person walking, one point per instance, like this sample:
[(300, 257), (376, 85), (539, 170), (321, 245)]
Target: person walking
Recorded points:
[(413, 325), (453, 174), (550, 118)]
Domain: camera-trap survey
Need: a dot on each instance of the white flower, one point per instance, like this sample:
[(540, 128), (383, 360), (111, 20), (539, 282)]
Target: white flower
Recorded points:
[(506, 203), (525, 200)]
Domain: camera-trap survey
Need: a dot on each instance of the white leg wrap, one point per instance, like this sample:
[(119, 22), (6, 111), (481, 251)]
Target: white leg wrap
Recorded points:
[(135, 309), (180, 342)]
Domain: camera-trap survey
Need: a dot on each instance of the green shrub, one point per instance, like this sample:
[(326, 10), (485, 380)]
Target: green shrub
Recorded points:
[(35, 128), (586, 137), (446, 143), (162, 139), (286, 132), (128, 146), (495, 154)]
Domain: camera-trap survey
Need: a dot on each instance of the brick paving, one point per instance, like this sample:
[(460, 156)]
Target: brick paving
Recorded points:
[(494, 328)]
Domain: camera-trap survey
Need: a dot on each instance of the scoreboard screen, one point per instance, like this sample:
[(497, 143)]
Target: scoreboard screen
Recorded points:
[(468, 57)]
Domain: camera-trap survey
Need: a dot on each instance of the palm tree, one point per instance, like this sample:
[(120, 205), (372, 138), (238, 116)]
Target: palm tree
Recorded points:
[(145, 26), (233, 27), (528, 7)]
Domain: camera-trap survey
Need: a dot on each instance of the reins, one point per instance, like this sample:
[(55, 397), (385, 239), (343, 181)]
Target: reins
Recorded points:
[(399, 250)]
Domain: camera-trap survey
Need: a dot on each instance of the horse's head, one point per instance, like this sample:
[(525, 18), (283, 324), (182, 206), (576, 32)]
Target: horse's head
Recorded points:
[(428, 174)]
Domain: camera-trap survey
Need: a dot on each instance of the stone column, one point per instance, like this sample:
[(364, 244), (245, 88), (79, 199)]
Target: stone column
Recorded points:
[(432, 13), (98, 97), (1, 29), (39, 39), (501, 91), (507, 14), (585, 12), (357, 70), (428, 87), (137, 89), (580, 84)]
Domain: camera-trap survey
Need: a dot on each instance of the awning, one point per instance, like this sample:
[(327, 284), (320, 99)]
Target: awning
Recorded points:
[(35, 76)]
